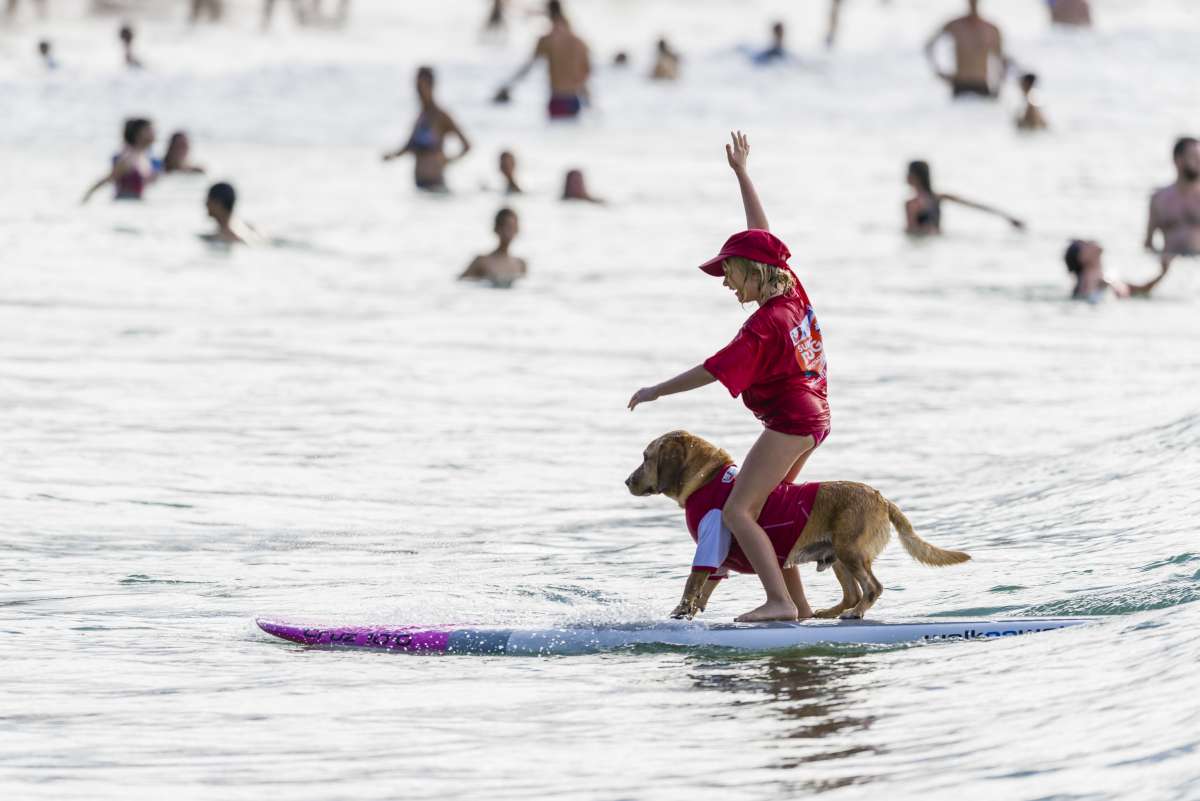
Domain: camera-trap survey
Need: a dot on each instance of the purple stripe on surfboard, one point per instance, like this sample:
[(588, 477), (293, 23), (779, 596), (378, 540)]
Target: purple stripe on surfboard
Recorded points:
[(398, 638)]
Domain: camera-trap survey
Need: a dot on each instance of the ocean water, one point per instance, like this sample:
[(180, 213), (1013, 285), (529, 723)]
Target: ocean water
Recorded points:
[(331, 429)]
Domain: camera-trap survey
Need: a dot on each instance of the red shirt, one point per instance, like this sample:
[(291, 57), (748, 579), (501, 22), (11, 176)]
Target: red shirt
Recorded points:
[(783, 517), (777, 364)]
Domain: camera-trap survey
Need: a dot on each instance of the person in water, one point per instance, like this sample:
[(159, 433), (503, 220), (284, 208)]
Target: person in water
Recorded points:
[(777, 51), (508, 171), (575, 188), (47, 55), (176, 157), (666, 63), (923, 211), (132, 168), (496, 22), (1175, 209), (213, 9), (11, 11), (1077, 13), (1083, 260), (498, 268), (569, 65), (428, 139), (126, 37), (1031, 118), (219, 204), (977, 43), (777, 364), (299, 12)]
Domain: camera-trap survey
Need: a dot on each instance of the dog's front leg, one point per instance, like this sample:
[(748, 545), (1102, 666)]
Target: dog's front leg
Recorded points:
[(691, 602), (707, 592)]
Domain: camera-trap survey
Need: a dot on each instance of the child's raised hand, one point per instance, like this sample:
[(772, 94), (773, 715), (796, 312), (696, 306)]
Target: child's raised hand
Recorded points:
[(738, 152), (643, 395)]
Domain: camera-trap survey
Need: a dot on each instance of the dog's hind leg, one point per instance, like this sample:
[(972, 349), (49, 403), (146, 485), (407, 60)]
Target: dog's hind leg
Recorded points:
[(862, 575), (850, 592), (869, 598)]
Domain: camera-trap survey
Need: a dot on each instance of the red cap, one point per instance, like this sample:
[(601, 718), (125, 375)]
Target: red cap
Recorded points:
[(756, 245)]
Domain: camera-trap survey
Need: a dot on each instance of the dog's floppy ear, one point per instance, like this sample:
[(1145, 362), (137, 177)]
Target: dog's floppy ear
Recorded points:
[(668, 472)]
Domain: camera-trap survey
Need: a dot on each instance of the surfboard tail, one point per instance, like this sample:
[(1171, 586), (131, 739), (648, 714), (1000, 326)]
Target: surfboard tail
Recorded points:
[(919, 549)]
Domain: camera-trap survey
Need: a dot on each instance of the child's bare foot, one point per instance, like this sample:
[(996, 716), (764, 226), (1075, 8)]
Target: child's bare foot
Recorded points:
[(782, 610)]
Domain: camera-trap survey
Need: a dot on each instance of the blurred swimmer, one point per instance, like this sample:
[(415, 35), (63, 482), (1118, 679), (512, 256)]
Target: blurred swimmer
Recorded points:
[(132, 168), (777, 51), (1070, 12), (568, 63), (299, 12), (495, 21), (621, 59), (13, 4), (428, 139), (1083, 260), (219, 203), (1175, 209), (976, 43), (46, 52), (1031, 118), (213, 9), (923, 211), (666, 63), (126, 36), (574, 188), (176, 157), (508, 169), (498, 268)]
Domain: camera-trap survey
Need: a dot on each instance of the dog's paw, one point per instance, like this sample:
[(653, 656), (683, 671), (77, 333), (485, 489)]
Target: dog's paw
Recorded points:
[(851, 614), (685, 611), (826, 614)]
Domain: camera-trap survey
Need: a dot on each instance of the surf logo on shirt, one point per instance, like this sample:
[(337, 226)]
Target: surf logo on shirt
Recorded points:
[(810, 348)]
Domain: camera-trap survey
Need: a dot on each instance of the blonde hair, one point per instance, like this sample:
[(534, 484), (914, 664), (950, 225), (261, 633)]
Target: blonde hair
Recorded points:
[(771, 280)]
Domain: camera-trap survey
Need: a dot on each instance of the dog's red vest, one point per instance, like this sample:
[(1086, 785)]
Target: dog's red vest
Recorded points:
[(783, 515)]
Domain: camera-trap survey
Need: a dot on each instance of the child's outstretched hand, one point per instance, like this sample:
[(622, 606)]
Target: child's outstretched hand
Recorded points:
[(643, 395), (738, 152)]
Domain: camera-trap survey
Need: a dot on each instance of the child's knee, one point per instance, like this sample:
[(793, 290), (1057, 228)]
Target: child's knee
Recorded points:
[(734, 517)]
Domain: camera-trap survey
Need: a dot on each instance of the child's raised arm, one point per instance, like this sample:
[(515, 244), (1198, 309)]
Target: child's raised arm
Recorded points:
[(738, 153)]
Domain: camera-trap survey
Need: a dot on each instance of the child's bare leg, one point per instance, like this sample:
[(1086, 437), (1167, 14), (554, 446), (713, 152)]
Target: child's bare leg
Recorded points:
[(791, 577), (766, 465)]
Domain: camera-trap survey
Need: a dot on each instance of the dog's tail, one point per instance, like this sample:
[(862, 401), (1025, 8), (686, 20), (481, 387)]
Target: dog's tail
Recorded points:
[(918, 548)]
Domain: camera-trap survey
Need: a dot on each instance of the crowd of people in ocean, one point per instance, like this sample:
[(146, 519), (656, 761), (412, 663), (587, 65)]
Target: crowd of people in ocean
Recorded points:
[(980, 66), (776, 363)]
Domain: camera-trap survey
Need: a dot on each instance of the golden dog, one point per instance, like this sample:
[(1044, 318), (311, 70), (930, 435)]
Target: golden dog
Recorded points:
[(848, 527)]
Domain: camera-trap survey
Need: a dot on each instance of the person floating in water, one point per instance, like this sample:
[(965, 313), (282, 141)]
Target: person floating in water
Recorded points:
[(213, 9), (508, 170), (299, 12), (11, 11), (1077, 13), (47, 54), (777, 51), (428, 139), (777, 364), (923, 211), (126, 37), (1031, 118), (976, 43), (568, 62), (1175, 209), (219, 204), (499, 268), (1083, 260), (666, 63), (133, 168), (575, 188), (176, 157), (496, 23)]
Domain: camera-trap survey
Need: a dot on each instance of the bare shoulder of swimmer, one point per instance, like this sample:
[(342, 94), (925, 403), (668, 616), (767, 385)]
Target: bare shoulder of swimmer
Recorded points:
[(476, 270)]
